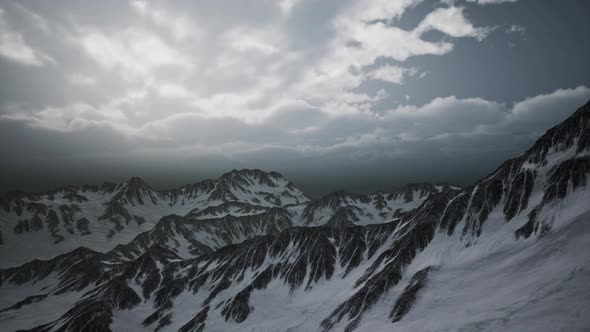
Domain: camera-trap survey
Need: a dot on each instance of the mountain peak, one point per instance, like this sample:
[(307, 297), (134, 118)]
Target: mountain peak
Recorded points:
[(134, 190), (136, 181), (237, 179), (254, 173), (561, 137), (256, 186)]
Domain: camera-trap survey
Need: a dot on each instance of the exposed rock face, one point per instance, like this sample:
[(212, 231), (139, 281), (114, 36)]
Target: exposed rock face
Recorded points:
[(343, 216), (82, 226), (135, 191), (345, 208), (197, 323), (229, 208), (405, 301), (569, 175), (189, 192), (386, 270), (33, 225), (512, 183), (413, 191), (199, 236), (77, 270)]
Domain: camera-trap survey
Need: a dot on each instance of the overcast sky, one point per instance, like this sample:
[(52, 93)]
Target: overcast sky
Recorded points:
[(335, 94)]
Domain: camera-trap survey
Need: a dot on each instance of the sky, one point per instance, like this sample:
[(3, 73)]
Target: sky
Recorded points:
[(350, 95)]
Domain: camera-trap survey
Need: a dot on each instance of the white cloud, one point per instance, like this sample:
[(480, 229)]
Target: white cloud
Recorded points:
[(134, 53), (372, 10), (451, 21), (14, 47), (72, 117), (286, 6), (534, 114), (361, 40), (246, 69), (443, 123), (179, 25), (490, 2), (246, 75), (172, 90), (516, 29), (392, 74), (242, 40)]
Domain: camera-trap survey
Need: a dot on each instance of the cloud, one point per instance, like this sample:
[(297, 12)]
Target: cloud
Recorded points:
[(302, 127), (444, 126), (81, 80), (451, 21), (536, 114), (263, 43), (374, 10), (403, 142), (513, 28), (134, 53), (490, 2), (286, 6), (70, 118), (14, 47), (284, 83), (368, 33), (180, 26), (392, 74), (239, 68), (38, 21), (171, 90)]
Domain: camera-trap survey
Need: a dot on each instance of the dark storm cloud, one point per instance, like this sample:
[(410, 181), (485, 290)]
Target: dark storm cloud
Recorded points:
[(334, 94)]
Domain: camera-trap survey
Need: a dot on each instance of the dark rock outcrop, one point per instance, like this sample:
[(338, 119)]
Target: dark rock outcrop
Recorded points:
[(406, 300)]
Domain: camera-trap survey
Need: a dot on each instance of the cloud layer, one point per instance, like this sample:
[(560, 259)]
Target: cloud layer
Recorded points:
[(298, 85)]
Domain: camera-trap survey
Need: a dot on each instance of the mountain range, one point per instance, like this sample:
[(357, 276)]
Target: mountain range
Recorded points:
[(251, 252)]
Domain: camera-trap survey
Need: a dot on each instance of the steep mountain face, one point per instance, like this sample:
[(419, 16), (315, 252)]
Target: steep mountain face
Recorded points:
[(533, 183), (189, 237), (508, 253), (342, 208)]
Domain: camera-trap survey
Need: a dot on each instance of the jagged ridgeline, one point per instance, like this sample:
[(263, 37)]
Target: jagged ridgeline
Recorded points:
[(249, 252), (190, 220)]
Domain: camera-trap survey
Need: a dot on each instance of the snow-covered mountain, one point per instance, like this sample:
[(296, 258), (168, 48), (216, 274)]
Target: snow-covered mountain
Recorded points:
[(508, 253), (101, 217), (245, 203), (341, 208)]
